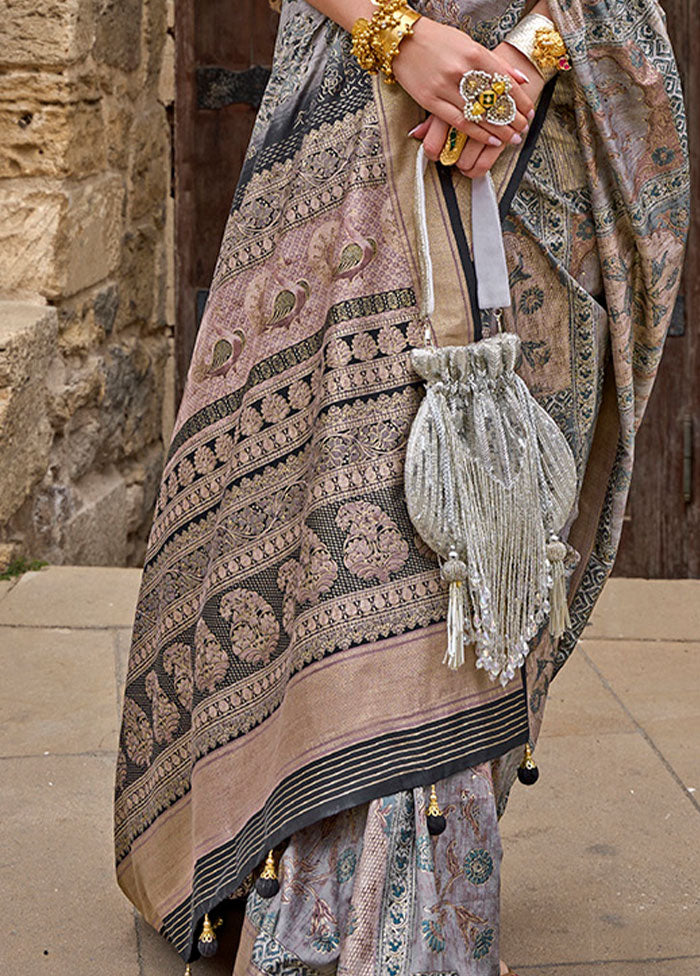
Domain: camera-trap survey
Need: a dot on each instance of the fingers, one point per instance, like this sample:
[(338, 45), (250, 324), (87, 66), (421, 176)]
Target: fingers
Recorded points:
[(489, 137), (478, 165), (523, 102), (470, 154), (513, 134), (434, 140), (453, 112), (420, 131), (487, 157)]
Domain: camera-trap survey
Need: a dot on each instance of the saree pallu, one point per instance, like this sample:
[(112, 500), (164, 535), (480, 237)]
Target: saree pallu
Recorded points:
[(286, 654), (368, 892)]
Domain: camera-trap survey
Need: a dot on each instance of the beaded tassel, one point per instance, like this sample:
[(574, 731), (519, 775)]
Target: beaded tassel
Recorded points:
[(454, 572), (559, 618)]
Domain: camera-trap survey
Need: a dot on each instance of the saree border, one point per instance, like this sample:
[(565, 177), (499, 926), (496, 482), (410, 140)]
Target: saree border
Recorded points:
[(350, 777)]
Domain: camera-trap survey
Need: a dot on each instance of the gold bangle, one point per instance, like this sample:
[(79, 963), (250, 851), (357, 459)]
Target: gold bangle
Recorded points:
[(538, 39), (375, 42)]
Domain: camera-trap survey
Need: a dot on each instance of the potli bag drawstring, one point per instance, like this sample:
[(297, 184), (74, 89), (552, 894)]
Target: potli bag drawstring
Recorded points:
[(490, 479)]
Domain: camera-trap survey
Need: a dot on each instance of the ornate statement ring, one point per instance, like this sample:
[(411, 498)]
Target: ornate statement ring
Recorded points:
[(454, 144), (486, 97)]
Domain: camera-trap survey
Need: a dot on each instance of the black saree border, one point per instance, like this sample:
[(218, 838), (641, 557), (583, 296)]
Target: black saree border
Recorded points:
[(400, 760)]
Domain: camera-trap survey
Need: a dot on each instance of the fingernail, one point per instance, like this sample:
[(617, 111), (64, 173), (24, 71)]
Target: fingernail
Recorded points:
[(531, 114), (521, 76), (516, 140), (494, 141), (415, 129)]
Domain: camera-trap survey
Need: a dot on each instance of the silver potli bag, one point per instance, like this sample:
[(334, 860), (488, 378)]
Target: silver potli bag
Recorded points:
[(490, 479)]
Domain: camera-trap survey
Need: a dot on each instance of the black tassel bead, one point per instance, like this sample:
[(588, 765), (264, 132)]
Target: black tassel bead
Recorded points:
[(267, 885), (528, 773), (436, 824), (434, 815), (208, 943)]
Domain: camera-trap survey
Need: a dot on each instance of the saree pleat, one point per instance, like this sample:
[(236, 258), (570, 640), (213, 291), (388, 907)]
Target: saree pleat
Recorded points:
[(286, 656)]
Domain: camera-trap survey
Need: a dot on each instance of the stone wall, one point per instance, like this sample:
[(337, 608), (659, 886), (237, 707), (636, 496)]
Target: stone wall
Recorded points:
[(86, 275)]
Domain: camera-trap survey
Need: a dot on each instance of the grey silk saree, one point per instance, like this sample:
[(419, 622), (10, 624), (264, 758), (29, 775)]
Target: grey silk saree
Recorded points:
[(285, 684)]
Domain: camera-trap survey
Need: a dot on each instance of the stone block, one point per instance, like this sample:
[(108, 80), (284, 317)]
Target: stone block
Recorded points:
[(143, 481), (89, 242), (599, 866), (72, 596), (154, 36), (96, 534), (75, 83), (54, 32), (166, 76), (73, 704), (133, 394), (27, 341), (62, 910), (9, 551), (118, 33), (118, 112), (27, 338), (137, 277), (647, 610), (87, 319), (149, 164), (51, 140), (30, 216), (57, 239), (71, 388), (106, 305)]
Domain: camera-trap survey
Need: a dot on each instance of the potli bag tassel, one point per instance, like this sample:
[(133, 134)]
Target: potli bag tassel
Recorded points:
[(454, 572), (490, 479), (559, 618)]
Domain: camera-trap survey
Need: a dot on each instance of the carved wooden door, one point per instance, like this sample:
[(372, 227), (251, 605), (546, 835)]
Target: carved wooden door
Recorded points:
[(224, 50)]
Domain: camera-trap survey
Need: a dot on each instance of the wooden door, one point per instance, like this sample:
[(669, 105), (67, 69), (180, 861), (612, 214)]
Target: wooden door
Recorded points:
[(661, 537), (224, 50)]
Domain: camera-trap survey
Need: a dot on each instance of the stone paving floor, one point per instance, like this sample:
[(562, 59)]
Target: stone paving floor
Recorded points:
[(602, 862)]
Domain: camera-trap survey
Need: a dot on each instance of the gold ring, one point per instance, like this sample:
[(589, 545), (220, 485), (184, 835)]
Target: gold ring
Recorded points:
[(486, 97), (454, 144)]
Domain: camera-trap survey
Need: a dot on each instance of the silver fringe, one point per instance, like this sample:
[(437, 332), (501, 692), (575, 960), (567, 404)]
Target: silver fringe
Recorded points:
[(490, 479)]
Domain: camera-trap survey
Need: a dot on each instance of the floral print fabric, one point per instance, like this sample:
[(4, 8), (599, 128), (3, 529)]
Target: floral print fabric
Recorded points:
[(369, 892)]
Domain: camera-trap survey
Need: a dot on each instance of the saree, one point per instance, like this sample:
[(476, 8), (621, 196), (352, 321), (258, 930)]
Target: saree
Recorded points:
[(285, 664)]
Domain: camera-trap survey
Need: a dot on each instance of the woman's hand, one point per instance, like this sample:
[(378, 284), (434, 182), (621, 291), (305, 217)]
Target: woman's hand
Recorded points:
[(477, 158), (430, 65)]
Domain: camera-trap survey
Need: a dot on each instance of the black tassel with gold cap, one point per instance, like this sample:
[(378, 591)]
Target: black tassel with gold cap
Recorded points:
[(267, 885), (434, 815), (528, 773), (208, 943)]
